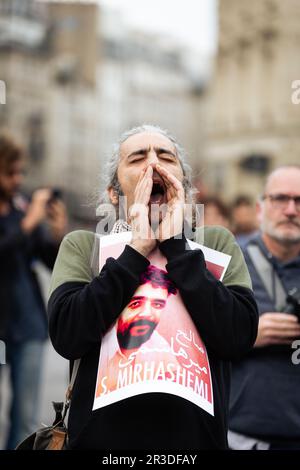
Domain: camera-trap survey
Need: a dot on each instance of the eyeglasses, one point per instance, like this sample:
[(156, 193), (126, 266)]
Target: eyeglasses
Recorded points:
[(281, 201)]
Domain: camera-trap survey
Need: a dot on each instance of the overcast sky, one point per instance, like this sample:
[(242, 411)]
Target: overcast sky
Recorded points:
[(193, 21)]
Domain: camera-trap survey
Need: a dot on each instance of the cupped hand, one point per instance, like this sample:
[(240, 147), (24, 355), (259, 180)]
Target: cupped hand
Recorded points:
[(172, 223), (143, 238)]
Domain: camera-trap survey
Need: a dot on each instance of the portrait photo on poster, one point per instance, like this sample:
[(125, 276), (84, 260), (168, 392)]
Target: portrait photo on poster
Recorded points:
[(154, 345)]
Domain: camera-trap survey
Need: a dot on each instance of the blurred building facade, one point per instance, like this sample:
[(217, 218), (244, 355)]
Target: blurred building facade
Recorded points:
[(77, 77), (253, 125)]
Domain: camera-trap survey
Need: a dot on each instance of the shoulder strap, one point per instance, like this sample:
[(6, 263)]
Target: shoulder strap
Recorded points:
[(267, 274), (95, 255), (76, 365)]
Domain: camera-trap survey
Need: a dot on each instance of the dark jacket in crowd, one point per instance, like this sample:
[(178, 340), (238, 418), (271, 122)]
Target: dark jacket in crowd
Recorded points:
[(22, 311), (265, 385)]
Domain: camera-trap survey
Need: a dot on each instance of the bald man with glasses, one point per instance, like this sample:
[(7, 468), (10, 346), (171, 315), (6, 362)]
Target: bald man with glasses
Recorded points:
[(265, 400)]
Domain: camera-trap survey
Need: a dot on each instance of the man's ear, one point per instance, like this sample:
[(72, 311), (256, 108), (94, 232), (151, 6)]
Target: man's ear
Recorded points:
[(259, 211), (113, 195)]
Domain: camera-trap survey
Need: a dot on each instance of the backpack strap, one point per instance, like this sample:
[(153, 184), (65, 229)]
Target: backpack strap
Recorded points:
[(268, 276)]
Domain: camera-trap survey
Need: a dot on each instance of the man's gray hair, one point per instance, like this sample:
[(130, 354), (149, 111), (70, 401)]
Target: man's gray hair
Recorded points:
[(110, 175), (288, 166), (108, 213)]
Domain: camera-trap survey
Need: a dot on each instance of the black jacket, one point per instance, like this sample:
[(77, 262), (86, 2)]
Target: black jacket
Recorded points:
[(83, 307), (17, 252)]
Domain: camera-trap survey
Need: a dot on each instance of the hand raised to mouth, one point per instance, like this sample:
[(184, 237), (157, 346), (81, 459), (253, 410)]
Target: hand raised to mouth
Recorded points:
[(156, 188), (172, 223), (143, 238)]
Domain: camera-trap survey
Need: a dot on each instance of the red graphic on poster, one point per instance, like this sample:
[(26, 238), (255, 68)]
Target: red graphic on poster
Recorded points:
[(154, 345)]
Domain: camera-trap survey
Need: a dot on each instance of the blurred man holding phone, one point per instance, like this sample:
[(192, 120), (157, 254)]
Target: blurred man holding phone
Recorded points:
[(23, 321)]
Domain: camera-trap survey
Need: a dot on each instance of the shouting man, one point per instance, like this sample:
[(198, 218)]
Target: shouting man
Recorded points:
[(148, 169)]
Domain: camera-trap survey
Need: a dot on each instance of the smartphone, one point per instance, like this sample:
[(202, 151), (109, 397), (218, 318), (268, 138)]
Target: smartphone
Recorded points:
[(56, 194)]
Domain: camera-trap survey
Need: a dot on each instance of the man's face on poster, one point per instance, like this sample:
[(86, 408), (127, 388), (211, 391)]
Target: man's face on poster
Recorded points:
[(141, 316)]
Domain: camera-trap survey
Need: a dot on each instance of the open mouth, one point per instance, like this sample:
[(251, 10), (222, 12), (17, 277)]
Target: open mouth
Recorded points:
[(157, 193)]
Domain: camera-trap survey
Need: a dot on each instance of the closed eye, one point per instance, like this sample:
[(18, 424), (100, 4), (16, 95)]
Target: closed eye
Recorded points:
[(137, 158), (167, 156)]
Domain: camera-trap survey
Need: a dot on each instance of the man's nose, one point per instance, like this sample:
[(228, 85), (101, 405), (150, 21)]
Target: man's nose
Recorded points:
[(291, 208), (152, 158), (146, 310)]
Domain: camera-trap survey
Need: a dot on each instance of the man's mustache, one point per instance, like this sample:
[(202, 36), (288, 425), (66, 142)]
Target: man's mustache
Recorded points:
[(290, 221), (142, 322)]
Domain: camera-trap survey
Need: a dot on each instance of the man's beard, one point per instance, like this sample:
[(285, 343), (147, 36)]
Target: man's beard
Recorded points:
[(128, 341), (281, 237)]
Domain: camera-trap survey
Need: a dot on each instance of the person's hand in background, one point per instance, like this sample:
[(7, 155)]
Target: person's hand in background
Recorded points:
[(277, 328), (57, 219), (37, 210)]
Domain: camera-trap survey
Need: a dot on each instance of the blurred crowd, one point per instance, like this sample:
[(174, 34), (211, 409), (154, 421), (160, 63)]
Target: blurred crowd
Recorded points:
[(239, 216)]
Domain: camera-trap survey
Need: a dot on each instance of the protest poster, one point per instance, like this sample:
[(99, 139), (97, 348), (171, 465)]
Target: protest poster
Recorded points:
[(154, 345)]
